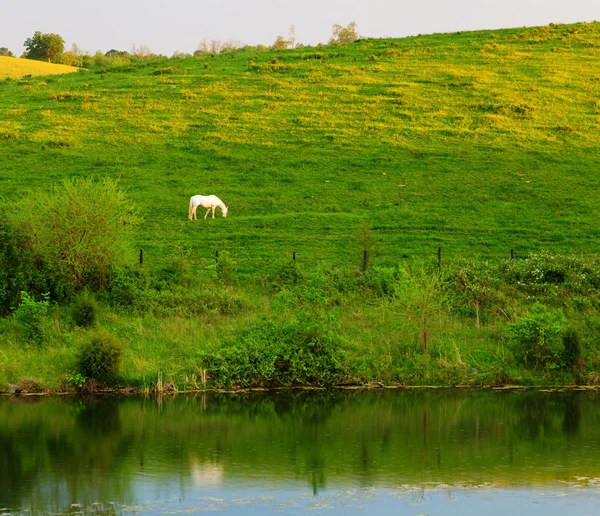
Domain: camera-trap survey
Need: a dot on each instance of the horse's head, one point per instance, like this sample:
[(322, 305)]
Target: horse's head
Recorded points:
[(224, 211)]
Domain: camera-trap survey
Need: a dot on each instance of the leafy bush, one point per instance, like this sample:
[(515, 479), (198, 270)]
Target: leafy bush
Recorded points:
[(572, 349), (33, 317), (16, 267), (99, 358), (79, 230), (84, 310), (535, 337), (277, 354), (300, 346), (287, 274)]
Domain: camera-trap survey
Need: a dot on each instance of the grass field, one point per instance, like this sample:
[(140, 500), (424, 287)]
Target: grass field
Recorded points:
[(15, 68), (476, 142)]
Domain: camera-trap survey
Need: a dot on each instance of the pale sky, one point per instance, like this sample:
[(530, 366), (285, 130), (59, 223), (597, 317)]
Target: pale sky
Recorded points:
[(168, 26)]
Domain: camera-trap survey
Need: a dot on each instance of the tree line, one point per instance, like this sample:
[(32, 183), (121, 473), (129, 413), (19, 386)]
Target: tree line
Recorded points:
[(50, 47)]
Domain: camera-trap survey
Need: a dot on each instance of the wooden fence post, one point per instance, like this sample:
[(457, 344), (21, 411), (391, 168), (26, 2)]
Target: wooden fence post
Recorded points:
[(141, 257), (294, 256), (365, 260), (512, 254), (217, 255)]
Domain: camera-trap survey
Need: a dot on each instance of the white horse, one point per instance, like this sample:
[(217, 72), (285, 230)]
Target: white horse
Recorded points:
[(210, 202)]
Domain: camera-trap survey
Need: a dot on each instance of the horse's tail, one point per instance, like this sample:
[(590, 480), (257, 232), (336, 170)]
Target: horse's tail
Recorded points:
[(191, 208)]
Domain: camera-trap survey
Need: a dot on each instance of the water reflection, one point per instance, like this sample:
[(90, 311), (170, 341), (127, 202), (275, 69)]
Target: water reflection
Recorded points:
[(59, 451)]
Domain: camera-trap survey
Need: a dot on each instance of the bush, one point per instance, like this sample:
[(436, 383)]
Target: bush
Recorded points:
[(287, 274), (571, 348), (84, 310), (300, 346), (80, 229), (16, 267), (99, 358), (33, 317), (535, 337), (272, 354)]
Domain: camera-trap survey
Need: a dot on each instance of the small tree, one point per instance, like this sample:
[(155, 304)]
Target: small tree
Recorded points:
[(422, 299), (5, 52), (343, 35), (280, 43), (44, 47)]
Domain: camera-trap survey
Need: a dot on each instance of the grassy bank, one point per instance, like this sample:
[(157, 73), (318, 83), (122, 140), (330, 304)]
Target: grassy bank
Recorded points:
[(477, 142), (521, 322)]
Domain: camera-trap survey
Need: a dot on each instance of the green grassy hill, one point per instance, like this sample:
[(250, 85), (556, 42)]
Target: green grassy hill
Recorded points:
[(478, 142)]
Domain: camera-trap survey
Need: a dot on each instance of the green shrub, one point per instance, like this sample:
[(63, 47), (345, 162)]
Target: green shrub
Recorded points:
[(287, 274), (16, 267), (99, 358), (33, 317), (84, 310), (80, 229), (535, 337), (301, 345), (277, 354), (572, 355)]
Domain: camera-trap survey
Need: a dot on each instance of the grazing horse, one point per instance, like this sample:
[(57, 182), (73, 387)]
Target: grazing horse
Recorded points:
[(210, 202)]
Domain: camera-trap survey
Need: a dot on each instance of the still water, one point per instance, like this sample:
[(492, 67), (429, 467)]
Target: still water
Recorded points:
[(407, 452)]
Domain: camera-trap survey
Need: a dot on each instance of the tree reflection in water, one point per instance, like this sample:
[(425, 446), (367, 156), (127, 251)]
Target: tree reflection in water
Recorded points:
[(59, 451)]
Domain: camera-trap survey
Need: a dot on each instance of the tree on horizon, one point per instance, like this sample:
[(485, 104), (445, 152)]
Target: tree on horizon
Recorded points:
[(44, 47)]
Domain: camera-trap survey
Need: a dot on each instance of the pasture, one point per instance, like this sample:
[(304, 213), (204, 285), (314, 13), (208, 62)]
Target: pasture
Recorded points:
[(477, 142)]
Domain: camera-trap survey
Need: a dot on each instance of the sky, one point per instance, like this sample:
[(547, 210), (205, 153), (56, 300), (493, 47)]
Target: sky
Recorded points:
[(169, 26)]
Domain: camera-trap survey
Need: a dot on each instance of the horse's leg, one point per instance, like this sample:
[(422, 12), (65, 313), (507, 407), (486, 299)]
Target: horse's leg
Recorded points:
[(206, 213), (213, 209)]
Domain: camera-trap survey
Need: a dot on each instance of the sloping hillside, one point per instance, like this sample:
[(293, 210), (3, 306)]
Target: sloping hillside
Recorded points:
[(478, 142), (16, 68)]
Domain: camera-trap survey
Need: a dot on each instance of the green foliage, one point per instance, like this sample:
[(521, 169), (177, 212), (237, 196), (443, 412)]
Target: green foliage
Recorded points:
[(17, 267), (572, 348), (287, 274), (274, 354), (535, 337), (280, 351), (44, 47), (100, 358), (473, 285), (76, 380), (79, 230), (33, 317), (168, 292), (421, 301), (343, 35), (6, 52), (226, 268), (84, 310)]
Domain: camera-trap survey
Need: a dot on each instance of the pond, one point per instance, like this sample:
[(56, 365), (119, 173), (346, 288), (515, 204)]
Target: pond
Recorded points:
[(387, 451)]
